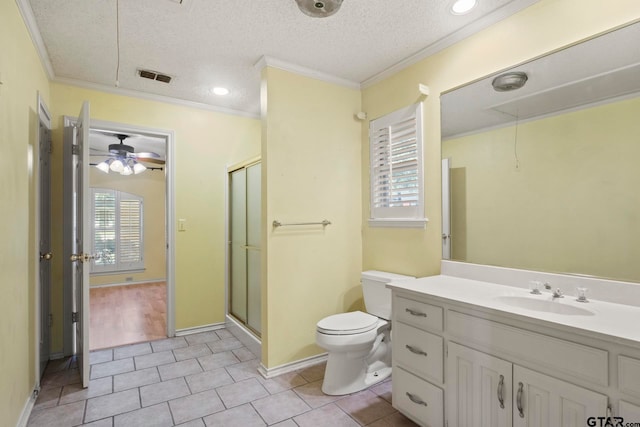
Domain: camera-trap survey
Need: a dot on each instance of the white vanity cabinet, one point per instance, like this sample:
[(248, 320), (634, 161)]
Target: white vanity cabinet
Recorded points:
[(460, 365), (541, 400), (418, 361), (478, 388), (485, 391)]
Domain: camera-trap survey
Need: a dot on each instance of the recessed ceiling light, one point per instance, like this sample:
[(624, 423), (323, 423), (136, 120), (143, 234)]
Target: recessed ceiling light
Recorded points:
[(220, 91), (460, 7)]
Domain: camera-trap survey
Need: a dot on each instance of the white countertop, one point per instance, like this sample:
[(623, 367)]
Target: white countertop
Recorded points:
[(610, 321)]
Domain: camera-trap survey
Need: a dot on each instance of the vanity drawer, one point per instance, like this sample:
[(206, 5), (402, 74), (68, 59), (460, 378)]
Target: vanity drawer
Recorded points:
[(629, 375), (418, 399), (419, 351), (418, 314)]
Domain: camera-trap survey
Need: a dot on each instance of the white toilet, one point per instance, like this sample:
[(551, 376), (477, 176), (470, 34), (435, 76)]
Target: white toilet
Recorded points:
[(359, 344)]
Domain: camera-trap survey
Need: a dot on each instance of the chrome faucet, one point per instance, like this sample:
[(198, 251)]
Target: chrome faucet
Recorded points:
[(555, 294)]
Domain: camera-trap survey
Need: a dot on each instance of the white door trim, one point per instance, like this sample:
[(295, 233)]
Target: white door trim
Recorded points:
[(169, 169), (446, 208)]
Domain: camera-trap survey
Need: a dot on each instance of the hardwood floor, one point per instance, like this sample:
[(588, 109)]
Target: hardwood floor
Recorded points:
[(127, 314)]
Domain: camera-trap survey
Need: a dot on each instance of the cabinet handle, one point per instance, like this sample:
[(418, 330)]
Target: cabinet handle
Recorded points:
[(415, 313), (501, 392), (416, 350), (416, 399), (519, 399)]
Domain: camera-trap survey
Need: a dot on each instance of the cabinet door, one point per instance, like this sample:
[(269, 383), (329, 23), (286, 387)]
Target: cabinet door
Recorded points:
[(542, 401), (478, 389)]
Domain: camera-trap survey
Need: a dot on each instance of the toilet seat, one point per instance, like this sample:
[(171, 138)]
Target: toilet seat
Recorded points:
[(355, 322)]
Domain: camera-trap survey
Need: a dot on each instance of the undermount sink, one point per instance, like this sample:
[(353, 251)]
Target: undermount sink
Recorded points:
[(545, 305)]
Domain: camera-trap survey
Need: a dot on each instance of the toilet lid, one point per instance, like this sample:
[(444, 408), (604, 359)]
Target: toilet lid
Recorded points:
[(354, 322)]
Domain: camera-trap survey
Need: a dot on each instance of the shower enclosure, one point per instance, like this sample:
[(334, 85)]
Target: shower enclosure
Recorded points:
[(244, 244)]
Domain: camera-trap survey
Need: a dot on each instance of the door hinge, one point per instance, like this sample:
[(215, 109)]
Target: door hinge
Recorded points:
[(50, 319), (74, 317), (75, 150)]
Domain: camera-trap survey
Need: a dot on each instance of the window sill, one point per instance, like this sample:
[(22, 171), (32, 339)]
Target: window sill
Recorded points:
[(114, 272), (399, 222)]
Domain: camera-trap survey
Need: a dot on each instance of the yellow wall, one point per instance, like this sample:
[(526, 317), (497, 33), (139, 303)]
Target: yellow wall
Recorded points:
[(22, 76), (569, 206), (151, 186), (539, 29), (205, 143), (311, 157)]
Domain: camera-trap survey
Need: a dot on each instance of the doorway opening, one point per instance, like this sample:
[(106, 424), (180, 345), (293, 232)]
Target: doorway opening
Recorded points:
[(127, 286)]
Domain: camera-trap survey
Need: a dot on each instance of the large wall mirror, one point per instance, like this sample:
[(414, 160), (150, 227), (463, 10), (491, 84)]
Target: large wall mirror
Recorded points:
[(547, 176)]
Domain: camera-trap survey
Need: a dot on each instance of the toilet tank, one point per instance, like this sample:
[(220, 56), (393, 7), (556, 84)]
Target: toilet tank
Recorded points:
[(377, 298)]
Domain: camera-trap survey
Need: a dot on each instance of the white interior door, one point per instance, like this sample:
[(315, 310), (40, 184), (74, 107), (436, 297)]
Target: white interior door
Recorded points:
[(446, 209), (81, 240)]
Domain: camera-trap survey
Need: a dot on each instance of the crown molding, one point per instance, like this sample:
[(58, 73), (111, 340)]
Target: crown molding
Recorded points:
[(153, 97), (466, 31), (269, 61), (30, 22)]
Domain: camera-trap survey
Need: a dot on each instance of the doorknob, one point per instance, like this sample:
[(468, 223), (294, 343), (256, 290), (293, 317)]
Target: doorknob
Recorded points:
[(81, 257), (46, 256)]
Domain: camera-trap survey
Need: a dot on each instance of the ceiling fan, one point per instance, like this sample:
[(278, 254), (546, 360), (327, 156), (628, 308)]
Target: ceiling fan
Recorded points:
[(123, 159)]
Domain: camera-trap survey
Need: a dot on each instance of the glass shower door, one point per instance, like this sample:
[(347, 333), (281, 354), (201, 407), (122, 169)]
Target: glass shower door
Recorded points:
[(245, 242)]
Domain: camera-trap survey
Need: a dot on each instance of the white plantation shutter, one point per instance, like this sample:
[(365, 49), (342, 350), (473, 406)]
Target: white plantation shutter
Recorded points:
[(130, 231), (104, 227), (118, 243), (396, 165)]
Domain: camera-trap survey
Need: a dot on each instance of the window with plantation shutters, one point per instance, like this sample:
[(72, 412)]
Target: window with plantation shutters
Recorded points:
[(117, 232), (396, 169)]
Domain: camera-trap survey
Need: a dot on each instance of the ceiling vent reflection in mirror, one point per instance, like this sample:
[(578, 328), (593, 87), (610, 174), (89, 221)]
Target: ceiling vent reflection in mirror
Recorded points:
[(509, 81)]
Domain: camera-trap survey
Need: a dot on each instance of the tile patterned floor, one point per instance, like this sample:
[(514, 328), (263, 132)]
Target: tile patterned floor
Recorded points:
[(206, 379)]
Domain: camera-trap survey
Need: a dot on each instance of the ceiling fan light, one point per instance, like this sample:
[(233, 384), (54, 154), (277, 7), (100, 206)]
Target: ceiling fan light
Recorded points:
[(127, 170), (139, 168), (104, 166), (117, 166)]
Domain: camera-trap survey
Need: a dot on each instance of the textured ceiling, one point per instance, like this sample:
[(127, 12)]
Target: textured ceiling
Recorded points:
[(207, 43)]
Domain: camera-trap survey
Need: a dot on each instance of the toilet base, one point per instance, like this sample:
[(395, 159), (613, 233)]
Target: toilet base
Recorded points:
[(346, 375)]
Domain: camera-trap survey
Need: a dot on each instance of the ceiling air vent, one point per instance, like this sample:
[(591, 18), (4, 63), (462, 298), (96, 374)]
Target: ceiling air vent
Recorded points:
[(152, 75)]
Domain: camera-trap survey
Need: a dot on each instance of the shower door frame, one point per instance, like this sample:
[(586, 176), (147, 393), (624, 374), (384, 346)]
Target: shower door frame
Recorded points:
[(229, 272)]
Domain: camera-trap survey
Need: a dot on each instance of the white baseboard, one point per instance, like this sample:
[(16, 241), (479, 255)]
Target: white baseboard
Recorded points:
[(198, 329), (292, 366), (56, 356), (140, 282), (26, 410), (249, 340)]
